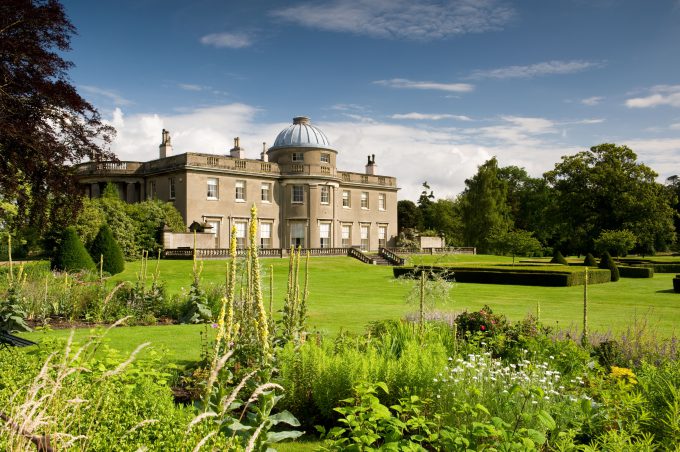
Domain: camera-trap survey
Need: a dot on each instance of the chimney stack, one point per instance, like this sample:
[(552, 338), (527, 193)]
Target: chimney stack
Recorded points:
[(237, 151), (263, 156), (371, 166), (165, 148)]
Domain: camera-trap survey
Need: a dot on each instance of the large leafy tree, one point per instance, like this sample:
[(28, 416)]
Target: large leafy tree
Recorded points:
[(45, 125), (606, 188), (408, 215), (484, 207)]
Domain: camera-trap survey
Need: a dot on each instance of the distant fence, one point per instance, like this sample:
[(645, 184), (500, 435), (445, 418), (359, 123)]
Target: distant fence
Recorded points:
[(445, 250), (223, 253)]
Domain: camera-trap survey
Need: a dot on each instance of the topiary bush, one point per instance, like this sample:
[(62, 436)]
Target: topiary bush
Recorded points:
[(590, 261), (71, 254), (676, 283), (607, 262), (106, 246), (558, 259)]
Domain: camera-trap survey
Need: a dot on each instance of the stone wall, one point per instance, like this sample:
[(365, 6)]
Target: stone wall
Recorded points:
[(172, 240)]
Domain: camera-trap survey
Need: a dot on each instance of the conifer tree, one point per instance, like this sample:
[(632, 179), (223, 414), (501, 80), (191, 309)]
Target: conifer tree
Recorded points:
[(607, 262), (590, 261), (105, 245), (558, 258), (71, 254)]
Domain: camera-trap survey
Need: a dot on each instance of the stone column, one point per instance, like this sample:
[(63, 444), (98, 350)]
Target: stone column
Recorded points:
[(94, 190)]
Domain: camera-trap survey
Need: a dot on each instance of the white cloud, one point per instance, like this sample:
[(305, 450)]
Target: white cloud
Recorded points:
[(400, 19), (111, 95), (675, 126), (429, 116), (659, 95), (412, 84), (592, 101), (536, 70), (230, 40), (192, 87), (661, 154)]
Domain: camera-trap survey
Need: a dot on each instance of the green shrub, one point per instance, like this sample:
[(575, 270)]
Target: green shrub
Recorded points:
[(483, 321), (590, 261), (607, 262), (636, 272), (71, 254), (105, 245), (676, 284), (558, 259)]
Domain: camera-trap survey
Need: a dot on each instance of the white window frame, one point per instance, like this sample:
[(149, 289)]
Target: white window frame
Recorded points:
[(266, 228), (240, 190), (297, 227), (325, 242), (382, 201), (325, 193), (365, 241), (266, 192), (297, 195), (152, 190), (346, 230), (213, 194), (382, 236), (325, 158), (347, 199), (298, 157), (241, 233), (364, 200)]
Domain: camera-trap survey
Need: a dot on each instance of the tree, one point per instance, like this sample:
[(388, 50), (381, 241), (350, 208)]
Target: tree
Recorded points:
[(408, 215), (515, 243), (607, 262), (590, 261), (45, 126), (606, 188), (558, 258), (71, 255), (104, 246), (483, 206), (617, 243)]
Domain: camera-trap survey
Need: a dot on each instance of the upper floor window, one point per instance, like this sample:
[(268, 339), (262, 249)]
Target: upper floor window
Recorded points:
[(346, 198), (171, 188), (298, 194), (364, 200), (381, 201), (213, 188), (240, 190), (325, 194), (298, 157), (325, 158), (266, 192)]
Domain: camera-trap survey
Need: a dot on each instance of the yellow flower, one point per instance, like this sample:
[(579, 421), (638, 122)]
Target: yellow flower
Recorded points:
[(623, 374)]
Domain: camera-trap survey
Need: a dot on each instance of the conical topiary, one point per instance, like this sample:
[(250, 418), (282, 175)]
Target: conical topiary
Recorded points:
[(590, 261), (105, 245), (607, 262), (71, 255), (558, 259)]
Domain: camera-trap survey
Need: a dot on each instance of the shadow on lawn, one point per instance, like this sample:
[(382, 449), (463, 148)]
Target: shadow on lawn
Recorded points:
[(666, 291)]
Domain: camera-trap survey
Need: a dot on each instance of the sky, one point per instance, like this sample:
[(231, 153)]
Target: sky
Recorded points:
[(432, 88)]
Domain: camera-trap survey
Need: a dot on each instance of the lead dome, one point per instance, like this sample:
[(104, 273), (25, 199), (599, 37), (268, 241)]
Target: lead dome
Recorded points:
[(302, 134)]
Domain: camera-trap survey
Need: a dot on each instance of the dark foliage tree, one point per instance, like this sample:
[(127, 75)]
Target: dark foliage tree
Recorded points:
[(590, 261), (606, 188), (558, 258), (606, 261), (484, 206), (515, 243), (408, 215), (45, 125), (71, 254), (105, 247), (673, 187)]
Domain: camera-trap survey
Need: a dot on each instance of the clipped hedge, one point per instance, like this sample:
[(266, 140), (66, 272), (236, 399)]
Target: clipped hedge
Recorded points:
[(659, 266), (636, 272), (676, 283), (521, 277)]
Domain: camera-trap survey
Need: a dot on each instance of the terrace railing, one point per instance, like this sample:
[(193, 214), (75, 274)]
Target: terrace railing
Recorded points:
[(357, 254), (391, 257)]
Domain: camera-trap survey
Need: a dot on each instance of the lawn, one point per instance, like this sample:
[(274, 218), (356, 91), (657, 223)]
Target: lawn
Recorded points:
[(345, 294)]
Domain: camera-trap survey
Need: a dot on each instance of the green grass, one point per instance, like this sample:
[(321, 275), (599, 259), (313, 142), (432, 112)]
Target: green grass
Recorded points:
[(346, 294)]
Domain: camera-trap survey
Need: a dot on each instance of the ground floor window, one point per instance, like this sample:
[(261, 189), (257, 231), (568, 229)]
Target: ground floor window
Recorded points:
[(325, 235), (346, 235), (297, 234), (365, 245), (215, 230), (382, 236), (265, 235), (241, 227)]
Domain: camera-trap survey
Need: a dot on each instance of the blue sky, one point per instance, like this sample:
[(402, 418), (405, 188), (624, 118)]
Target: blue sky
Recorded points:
[(432, 88)]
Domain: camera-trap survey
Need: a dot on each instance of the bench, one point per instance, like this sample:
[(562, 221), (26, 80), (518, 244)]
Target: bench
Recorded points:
[(9, 340)]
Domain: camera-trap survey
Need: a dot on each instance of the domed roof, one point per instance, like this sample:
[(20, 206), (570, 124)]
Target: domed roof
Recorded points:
[(301, 134)]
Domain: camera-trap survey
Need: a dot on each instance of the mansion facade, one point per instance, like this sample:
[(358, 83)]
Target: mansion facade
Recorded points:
[(302, 199)]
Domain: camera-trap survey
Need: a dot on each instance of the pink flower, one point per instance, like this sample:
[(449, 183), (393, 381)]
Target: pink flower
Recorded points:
[(483, 328)]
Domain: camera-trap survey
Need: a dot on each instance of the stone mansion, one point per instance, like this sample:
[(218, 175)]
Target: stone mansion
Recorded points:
[(301, 198)]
